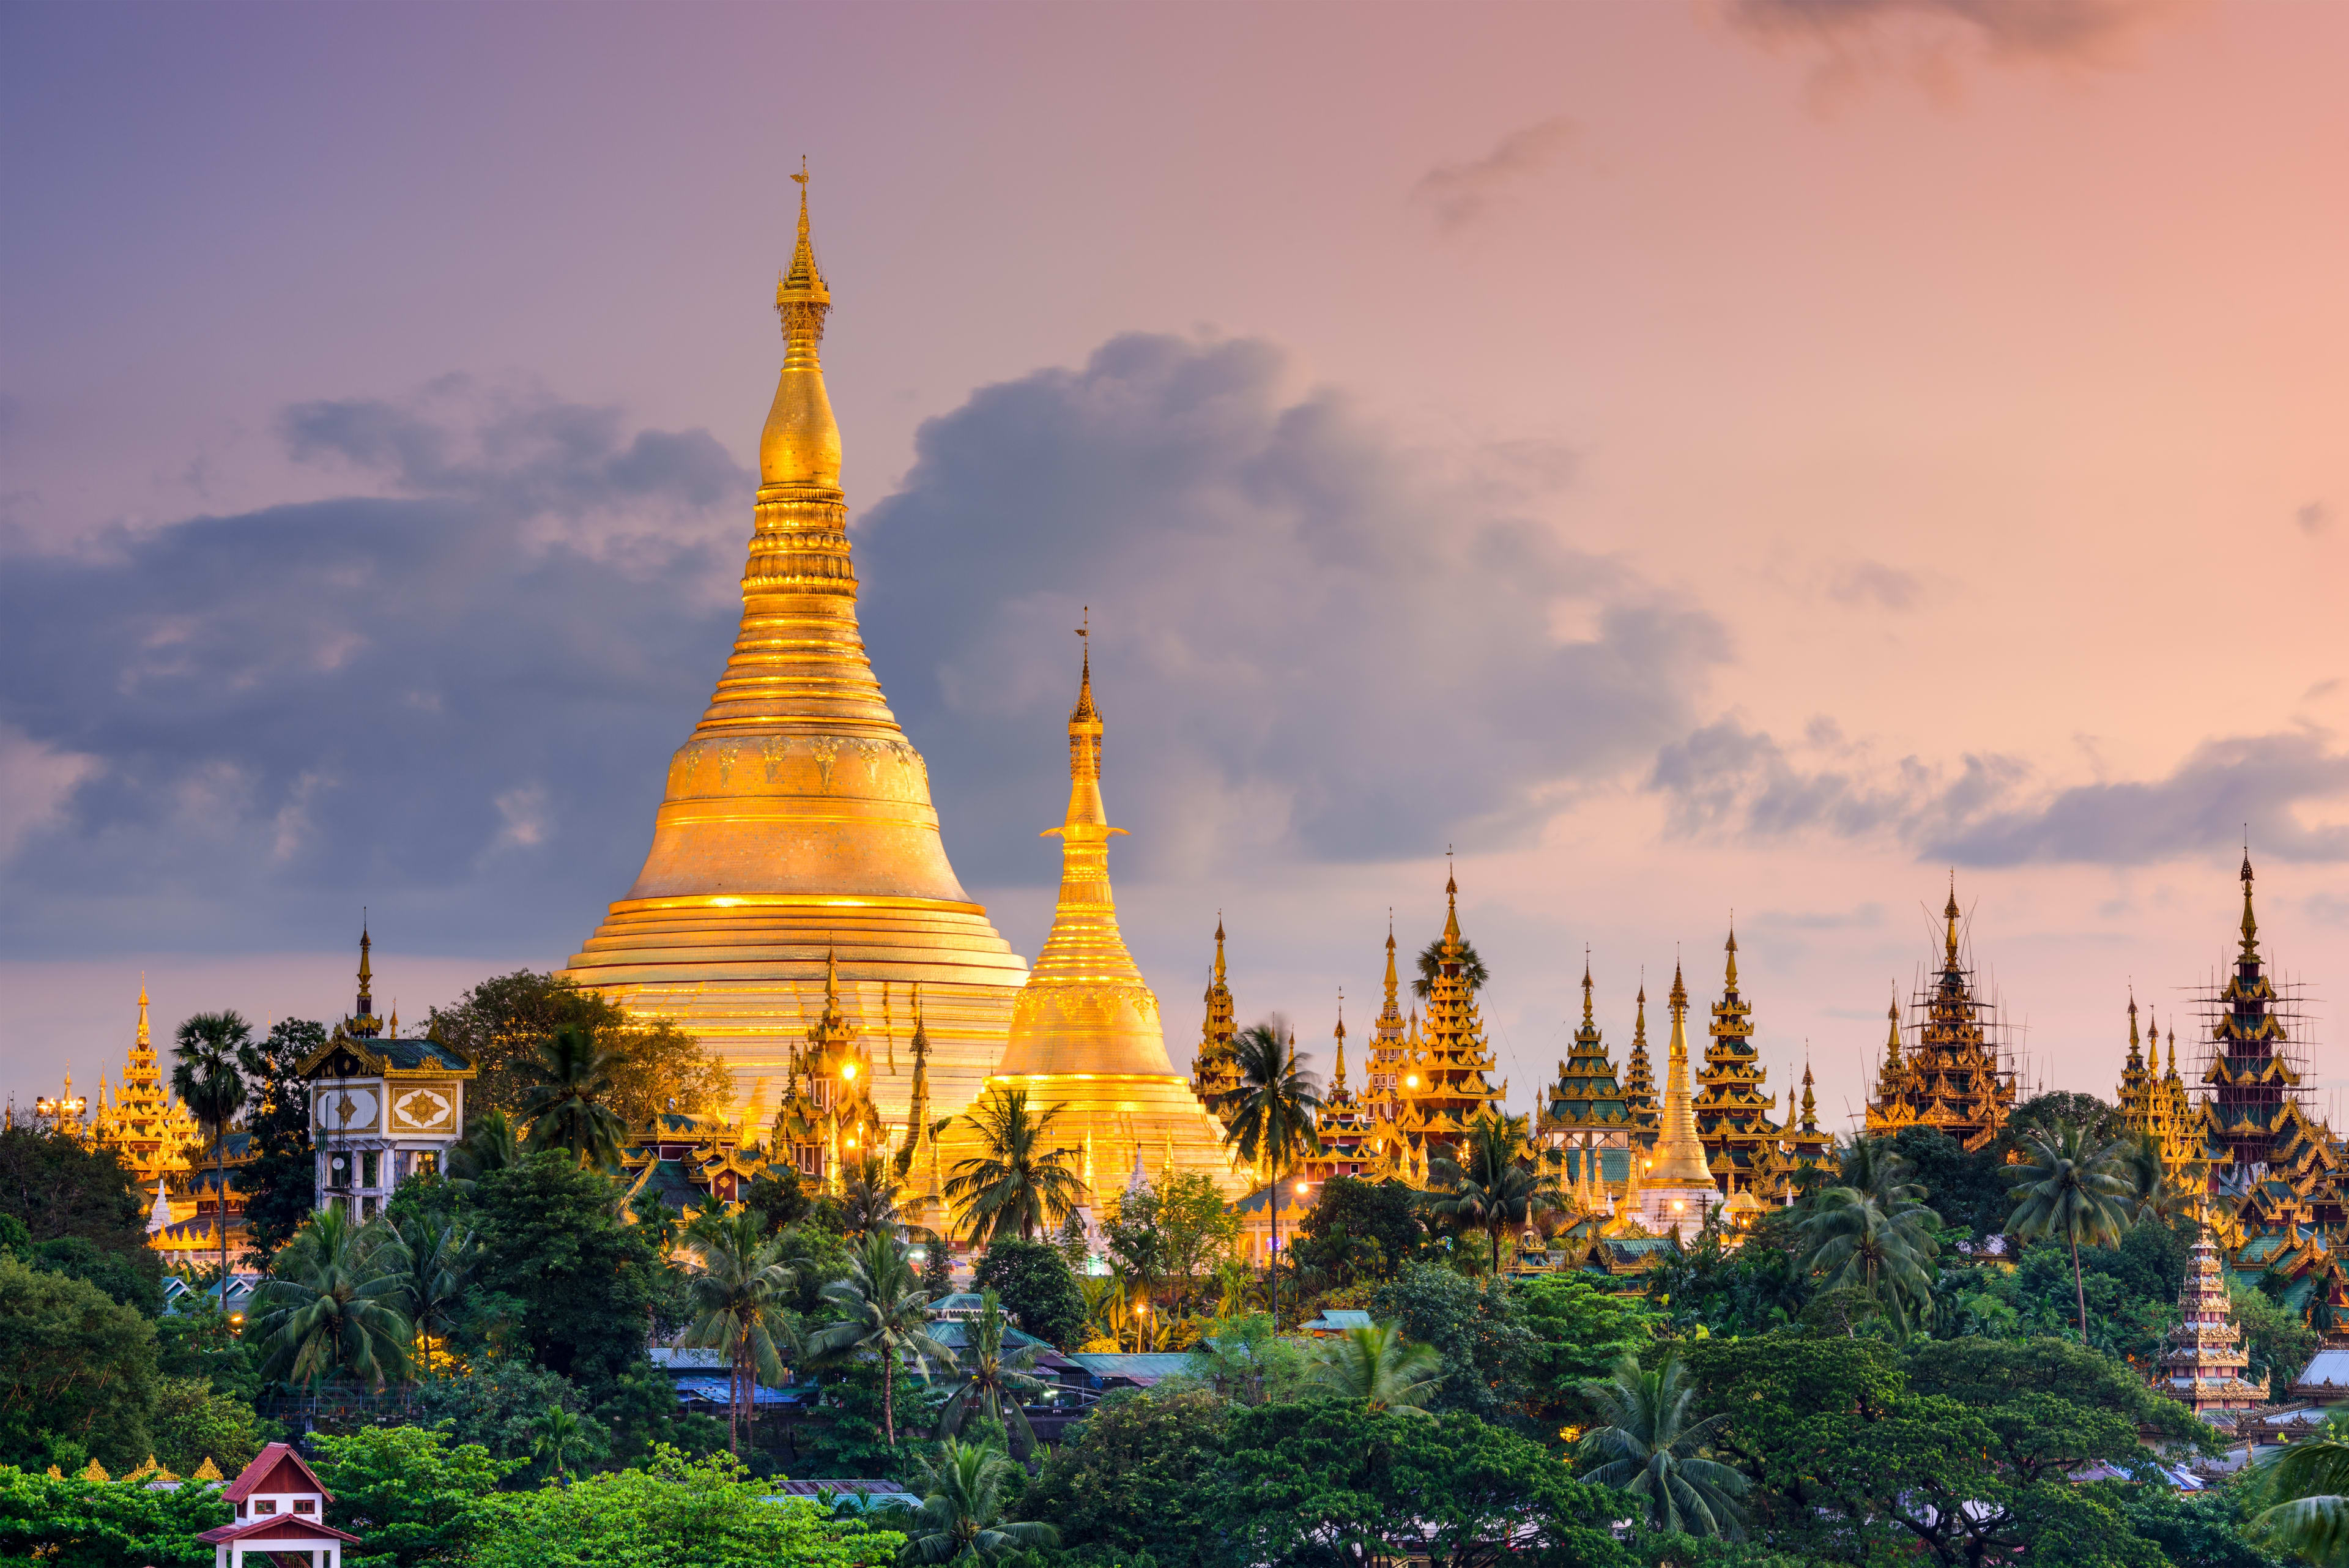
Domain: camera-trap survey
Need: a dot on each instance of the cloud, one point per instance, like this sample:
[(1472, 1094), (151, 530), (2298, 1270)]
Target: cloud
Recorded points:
[(1459, 194), (1308, 643), (1872, 582), (2313, 518), (455, 699), (1724, 780), (1932, 41)]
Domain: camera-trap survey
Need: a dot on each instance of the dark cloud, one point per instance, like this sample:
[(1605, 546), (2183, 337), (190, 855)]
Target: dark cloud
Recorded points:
[(2045, 29), (1726, 780), (2313, 518), (455, 699), (1459, 194), (1872, 582), (1302, 646)]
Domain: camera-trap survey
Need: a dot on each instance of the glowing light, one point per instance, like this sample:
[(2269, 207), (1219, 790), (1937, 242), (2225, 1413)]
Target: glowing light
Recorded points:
[(1678, 1205), (848, 1070), (1301, 1186)]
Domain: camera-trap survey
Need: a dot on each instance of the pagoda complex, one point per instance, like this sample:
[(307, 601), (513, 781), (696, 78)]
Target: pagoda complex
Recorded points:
[(138, 1121), (1954, 1079), (1392, 1041), (1215, 1071), (796, 847), (1442, 1085), (1087, 1044), (1733, 1115), (1585, 1125)]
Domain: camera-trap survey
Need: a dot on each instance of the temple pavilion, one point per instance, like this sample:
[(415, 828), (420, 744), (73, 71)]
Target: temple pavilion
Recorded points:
[(1953, 1078)]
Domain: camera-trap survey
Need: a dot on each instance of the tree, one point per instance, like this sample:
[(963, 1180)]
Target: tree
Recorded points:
[(566, 1107), (59, 1186), (2072, 1186), (1272, 1119), (572, 1283), (503, 1026), (207, 1080), (331, 1304), (2311, 1515), (76, 1369), (1431, 959), (1474, 1324), (281, 1181), (414, 1494), (76, 1523), (671, 1513), (557, 1433), (436, 1261), (1489, 1184), (1579, 1331), (994, 1380), (738, 1299), (1359, 1230), (963, 1506), (1964, 1186), (1037, 1289), (776, 1195), (1881, 1247), (1135, 1476), (192, 1423), (2098, 1121), (489, 1144), (882, 1314), (1018, 1180), (869, 1197), (1075, 1245), (1170, 1231), (1651, 1449), (1377, 1368), (497, 1406), (1297, 1480)]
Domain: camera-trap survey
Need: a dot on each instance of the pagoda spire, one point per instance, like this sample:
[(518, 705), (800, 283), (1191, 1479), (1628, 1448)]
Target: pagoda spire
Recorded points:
[(1730, 948), (1392, 1014), (366, 970), (2250, 953), (144, 1041), (1339, 1086), (1680, 1156)]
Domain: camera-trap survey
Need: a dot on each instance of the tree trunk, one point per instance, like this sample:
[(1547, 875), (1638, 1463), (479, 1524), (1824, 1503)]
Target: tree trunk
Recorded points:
[(220, 1205), (888, 1387), (2079, 1291), (1272, 1273)]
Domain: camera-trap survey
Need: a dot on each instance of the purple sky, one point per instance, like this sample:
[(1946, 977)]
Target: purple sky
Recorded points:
[(1702, 457)]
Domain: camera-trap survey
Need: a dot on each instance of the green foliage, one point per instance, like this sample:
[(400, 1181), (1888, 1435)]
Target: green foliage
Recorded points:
[(966, 1489), (1037, 1289), (502, 1025), (882, 1314), (1650, 1446), (992, 1381), (641, 1413), (1272, 1116), (75, 1523), (280, 1183), (1377, 1368), (677, 1513), (737, 1301), (2097, 1121), (58, 1185), (2070, 1188), (1169, 1234), (2205, 1528), (330, 1306), (497, 1409), (1388, 1485), (1491, 1185), (1431, 959), (578, 1282), (1133, 1479), (134, 1279), (776, 1195), (853, 1440), (1242, 1359), (1359, 1230), (413, 1494), (2279, 1340), (1474, 1326), (1022, 1179), (1579, 1329), (199, 1342), (1074, 1244), (192, 1423), (567, 1106), (816, 1256), (74, 1367)]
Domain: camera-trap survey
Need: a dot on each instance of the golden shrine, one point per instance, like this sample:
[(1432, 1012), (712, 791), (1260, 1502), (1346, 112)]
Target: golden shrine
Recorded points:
[(1086, 1038), (2205, 1365), (1585, 1125), (1954, 1079), (1671, 1188), (140, 1122), (1437, 1071), (797, 847), (1215, 1073), (1733, 1115)]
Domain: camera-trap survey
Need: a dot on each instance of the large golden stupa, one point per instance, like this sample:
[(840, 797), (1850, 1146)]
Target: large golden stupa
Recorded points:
[(1086, 1038), (798, 820)]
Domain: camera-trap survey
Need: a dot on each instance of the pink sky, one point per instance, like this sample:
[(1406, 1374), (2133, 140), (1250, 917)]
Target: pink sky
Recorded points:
[(1981, 371)]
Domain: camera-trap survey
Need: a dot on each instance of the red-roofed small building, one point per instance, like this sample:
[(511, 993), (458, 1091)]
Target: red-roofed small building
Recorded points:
[(281, 1507)]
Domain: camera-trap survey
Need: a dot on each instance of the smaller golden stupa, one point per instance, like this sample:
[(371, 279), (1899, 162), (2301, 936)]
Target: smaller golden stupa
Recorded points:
[(1675, 1187), (1086, 1036)]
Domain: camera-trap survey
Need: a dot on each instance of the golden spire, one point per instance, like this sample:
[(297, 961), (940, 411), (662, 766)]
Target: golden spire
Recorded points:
[(144, 1042), (1680, 1154), (2173, 1045), (1731, 982), (1949, 913), (1451, 909), (1391, 1014), (366, 970), (2250, 953), (1340, 1032), (1893, 1037), (1219, 914), (1588, 1021), (1810, 1101), (1085, 1008), (2136, 1057)]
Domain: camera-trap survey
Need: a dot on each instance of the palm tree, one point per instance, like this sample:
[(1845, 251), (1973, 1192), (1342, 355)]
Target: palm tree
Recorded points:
[(1235, 1288), (206, 1079), (868, 1198), (1104, 1299), (331, 1304), (1882, 1246), (1651, 1450), (557, 1429), (1431, 957), (993, 1379), (1272, 1121), (565, 1107), (2152, 1195), (489, 1144), (883, 1313), (2070, 1186), (1015, 1180), (961, 1518), (1378, 1366), (739, 1303), (435, 1259), (1488, 1184), (2311, 1516)]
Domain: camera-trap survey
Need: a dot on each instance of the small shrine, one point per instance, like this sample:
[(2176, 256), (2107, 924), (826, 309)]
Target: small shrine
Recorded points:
[(281, 1507), (2203, 1367)]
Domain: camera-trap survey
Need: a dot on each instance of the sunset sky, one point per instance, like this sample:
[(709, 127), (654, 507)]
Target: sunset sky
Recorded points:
[(1755, 456)]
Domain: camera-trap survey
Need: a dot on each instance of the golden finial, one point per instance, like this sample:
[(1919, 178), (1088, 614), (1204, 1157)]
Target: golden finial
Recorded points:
[(1450, 901), (1586, 986), (2250, 926), (1733, 949), (1680, 992), (366, 973), (144, 1041), (1949, 913), (803, 298), (1085, 713)]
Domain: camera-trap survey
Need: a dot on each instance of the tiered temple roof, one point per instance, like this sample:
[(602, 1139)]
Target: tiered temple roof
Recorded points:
[(2250, 1082), (138, 1121), (1214, 1075), (1733, 1115), (1584, 1116), (1639, 1077), (1954, 1079), (827, 1121), (2204, 1366)]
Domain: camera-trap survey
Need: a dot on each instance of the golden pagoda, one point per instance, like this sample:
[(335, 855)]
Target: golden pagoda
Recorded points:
[(1584, 1122), (1808, 1148), (1676, 1187), (1640, 1077), (827, 1123), (1086, 1038), (1215, 1070), (1954, 1079), (1391, 1044), (139, 1122), (1733, 1115), (1443, 1086), (798, 819), (2205, 1367), (1344, 1127)]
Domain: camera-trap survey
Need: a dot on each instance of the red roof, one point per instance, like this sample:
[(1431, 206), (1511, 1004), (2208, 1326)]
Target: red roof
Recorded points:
[(264, 1474), (274, 1527)]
